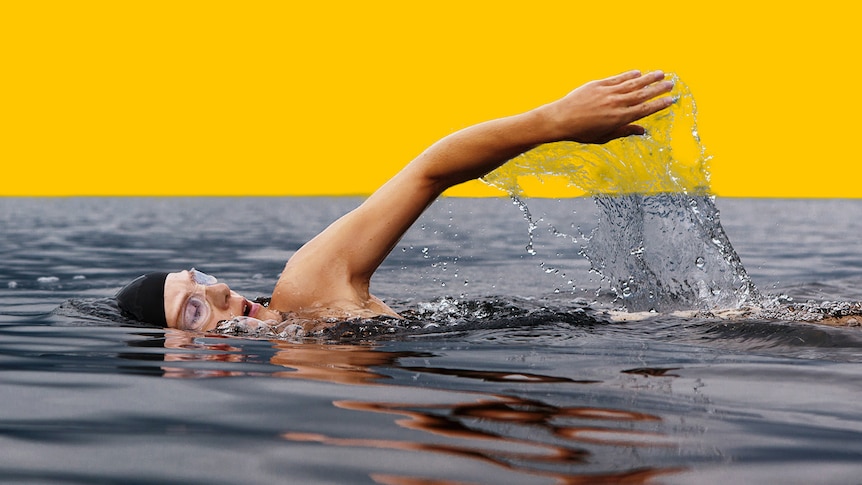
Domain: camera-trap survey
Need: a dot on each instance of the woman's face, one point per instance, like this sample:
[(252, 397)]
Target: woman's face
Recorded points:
[(196, 301)]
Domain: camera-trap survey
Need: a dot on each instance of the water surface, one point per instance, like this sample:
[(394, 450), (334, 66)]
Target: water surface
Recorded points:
[(514, 366)]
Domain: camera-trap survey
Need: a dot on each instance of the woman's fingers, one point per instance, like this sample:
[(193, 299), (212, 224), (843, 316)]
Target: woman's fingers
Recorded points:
[(634, 90), (639, 82), (620, 78), (642, 110), (649, 92)]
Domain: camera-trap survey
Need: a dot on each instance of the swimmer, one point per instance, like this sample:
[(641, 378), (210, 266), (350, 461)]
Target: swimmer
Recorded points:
[(328, 278)]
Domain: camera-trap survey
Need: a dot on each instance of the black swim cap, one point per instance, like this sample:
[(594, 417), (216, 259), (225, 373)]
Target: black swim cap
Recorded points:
[(144, 299)]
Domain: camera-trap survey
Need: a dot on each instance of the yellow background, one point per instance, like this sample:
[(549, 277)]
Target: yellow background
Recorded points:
[(298, 98)]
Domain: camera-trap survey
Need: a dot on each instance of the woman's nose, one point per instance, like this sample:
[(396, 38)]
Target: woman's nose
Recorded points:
[(220, 295)]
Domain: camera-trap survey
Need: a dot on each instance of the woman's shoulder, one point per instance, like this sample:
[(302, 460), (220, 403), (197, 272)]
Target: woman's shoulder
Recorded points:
[(324, 295)]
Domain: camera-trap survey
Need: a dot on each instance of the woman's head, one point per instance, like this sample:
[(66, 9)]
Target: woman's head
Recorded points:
[(188, 300)]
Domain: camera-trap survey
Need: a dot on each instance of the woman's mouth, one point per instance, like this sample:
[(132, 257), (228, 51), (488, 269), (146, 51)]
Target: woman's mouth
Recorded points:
[(249, 309)]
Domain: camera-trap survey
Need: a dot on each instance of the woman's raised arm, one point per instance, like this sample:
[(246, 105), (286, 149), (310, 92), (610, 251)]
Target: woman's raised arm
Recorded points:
[(336, 266)]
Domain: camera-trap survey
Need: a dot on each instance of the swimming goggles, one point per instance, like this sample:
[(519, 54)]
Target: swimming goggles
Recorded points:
[(197, 311)]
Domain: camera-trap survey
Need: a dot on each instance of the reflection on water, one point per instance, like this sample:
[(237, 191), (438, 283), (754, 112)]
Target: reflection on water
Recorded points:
[(489, 428), (521, 435)]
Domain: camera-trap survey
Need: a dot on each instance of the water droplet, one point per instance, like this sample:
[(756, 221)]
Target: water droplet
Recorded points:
[(700, 262)]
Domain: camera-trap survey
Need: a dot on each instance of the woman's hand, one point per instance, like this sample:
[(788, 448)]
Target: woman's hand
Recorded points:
[(603, 110)]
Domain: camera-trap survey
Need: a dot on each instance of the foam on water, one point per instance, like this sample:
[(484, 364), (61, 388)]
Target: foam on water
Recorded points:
[(444, 315)]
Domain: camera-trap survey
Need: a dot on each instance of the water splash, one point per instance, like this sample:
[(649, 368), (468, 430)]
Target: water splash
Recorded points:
[(667, 252), (659, 243), (669, 159)]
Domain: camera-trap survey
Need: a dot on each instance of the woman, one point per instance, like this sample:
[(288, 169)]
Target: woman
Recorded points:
[(328, 278)]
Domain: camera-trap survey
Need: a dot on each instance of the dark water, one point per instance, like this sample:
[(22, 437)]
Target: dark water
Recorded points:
[(513, 368)]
